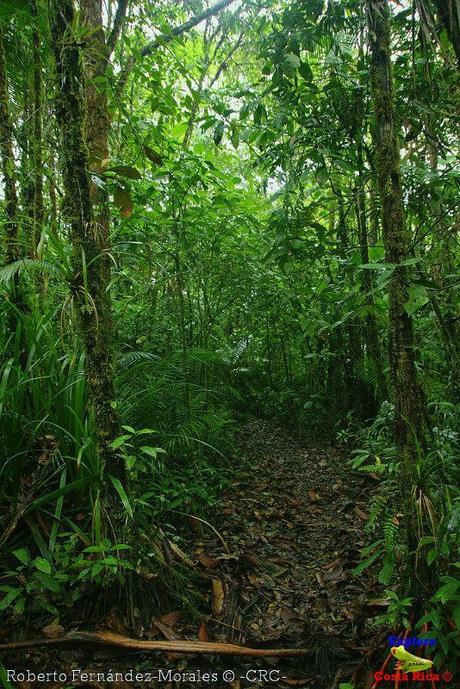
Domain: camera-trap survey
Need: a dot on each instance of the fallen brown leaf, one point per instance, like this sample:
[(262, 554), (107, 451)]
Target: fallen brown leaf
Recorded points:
[(196, 526), (249, 560), (218, 597), (208, 562), (167, 631), (319, 578), (334, 572), (203, 632), (171, 618), (53, 630), (278, 559), (180, 554), (361, 514)]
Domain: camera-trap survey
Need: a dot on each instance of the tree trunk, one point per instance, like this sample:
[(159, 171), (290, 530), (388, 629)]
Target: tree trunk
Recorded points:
[(88, 235), (449, 13), (37, 145), (372, 332), (12, 249), (11, 240), (374, 350), (353, 395), (410, 410), (409, 401), (97, 128)]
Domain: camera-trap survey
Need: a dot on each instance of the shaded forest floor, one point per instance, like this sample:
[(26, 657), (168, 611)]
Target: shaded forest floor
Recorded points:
[(276, 569), (293, 519)]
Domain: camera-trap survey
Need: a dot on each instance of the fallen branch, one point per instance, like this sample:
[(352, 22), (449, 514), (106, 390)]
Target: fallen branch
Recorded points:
[(195, 647)]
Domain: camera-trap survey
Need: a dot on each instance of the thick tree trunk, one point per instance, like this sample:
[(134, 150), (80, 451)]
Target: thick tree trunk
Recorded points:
[(12, 248), (97, 130), (409, 401), (97, 122), (410, 410), (37, 145), (31, 143), (88, 234), (11, 240)]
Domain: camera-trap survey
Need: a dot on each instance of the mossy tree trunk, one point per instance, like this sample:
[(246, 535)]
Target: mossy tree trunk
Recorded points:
[(410, 410), (97, 123), (37, 145), (30, 140), (90, 284), (11, 239)]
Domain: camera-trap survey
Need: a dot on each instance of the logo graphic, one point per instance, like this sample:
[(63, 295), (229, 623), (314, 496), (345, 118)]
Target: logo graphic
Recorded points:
[(409, 668), (407, 662), (411, 641)]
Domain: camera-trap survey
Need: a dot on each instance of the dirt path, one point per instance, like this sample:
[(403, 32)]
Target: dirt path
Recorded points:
[(292, 522), (276, 572)]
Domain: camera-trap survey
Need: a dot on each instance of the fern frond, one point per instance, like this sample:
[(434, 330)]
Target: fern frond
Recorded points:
[(8, 272)]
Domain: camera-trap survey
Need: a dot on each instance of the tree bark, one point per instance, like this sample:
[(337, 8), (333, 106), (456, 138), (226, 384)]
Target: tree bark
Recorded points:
[(117, 25), (353, 394), (88, 233), (408, 396), (374, 350), (37, 145), (372, 331), (410, 409), (449, 13), (12, 248), (31, 143), (97, 130)]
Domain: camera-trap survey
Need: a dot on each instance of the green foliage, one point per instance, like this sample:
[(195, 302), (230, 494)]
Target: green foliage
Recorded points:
[(437, 515), (248, 275), (397, 614), (40, 584), (6, 684)]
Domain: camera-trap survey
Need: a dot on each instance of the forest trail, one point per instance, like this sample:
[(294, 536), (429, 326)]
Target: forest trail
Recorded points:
[(292, 521), (275, 565), (209, 207)]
